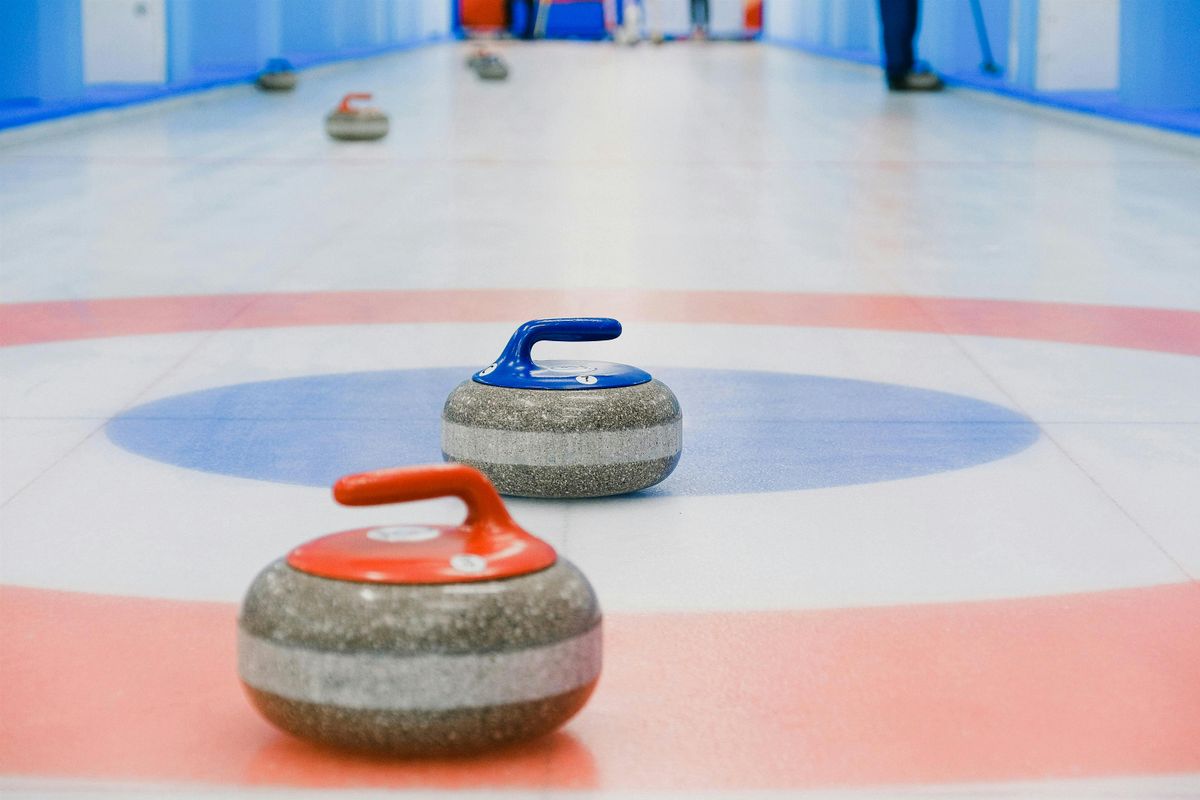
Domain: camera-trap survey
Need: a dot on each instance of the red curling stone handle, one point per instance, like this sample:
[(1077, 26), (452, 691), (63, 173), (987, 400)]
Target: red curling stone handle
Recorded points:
[(488, 545), (345, 108), (485, 509)]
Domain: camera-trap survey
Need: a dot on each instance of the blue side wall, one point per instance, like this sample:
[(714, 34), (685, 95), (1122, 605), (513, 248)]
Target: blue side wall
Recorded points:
[(209, 43), (215, 37), (1159, 51), (41, 49), (1162, 38)]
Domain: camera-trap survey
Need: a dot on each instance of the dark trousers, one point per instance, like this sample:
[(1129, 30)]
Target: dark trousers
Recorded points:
[(530, 16), (700, 13), (899, 21)]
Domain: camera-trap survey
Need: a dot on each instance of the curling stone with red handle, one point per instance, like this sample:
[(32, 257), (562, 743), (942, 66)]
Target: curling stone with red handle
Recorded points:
[(278, 76), (563, 428), (476, 54), (353, 123), (421, 639)]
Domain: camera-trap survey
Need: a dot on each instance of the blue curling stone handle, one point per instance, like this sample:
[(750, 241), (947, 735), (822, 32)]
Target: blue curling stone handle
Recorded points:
[(278, 65), (516, 369)]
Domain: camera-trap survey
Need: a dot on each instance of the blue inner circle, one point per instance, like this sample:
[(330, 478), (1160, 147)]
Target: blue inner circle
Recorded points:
[(744, 431)]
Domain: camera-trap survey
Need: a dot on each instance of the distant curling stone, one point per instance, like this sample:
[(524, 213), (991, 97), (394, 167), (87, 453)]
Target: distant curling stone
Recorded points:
[(476, 55), (278, 76), (563, 428), (421, 640), (491, 68), (349, 123)]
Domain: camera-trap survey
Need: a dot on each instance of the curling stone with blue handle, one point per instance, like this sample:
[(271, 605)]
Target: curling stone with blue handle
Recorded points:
[(563, 428), (419, 640), (278, 76), (352, 123)]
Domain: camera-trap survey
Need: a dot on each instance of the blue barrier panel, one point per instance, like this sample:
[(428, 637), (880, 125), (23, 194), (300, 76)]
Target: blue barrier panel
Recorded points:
[(1160, 43), (850, 24), (308, 28), (359, 23), (1023, 74), (41, 50), (405, 21), (577, 19), (18, 50), (1160, 54), (209, 43), (949, 38)]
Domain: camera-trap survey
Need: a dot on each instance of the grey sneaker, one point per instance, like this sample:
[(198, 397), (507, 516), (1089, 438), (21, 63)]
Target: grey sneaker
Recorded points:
[(916, 82)]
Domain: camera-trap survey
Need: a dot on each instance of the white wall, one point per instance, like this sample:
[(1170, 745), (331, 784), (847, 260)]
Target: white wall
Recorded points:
[(668, 16), (726, 17), (435, 18), (674, 17), (1078, 45), (124, 41)]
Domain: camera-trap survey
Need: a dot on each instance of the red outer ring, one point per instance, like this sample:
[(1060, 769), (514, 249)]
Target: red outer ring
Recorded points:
[(1161, 330)]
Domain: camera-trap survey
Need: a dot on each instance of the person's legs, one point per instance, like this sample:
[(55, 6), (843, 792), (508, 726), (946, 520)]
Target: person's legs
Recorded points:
[(531, 10), (914, 23), (899, 21)]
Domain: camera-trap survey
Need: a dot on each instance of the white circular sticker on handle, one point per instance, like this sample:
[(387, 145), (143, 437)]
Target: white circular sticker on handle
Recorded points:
[(586, 380), (487, 370)]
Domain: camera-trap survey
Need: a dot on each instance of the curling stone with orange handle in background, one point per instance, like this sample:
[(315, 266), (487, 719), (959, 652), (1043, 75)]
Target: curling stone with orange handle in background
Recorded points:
[(355, 123)]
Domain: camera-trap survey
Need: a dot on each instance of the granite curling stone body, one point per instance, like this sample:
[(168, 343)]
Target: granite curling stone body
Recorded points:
[(278, 76), (563, 428), (350, 123), (490, 67), (421, 640), (476, 55)]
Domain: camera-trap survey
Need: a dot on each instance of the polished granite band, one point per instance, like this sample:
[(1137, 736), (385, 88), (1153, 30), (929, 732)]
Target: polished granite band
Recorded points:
[(374, 680), (357, 127), (554, 448)]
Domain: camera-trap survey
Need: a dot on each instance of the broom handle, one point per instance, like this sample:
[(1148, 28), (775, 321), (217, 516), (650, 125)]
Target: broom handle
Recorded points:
[(543, 18), (985, 47)]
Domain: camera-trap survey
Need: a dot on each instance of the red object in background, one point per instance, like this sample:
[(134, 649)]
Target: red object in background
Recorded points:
[(481, 13), (754, 11)]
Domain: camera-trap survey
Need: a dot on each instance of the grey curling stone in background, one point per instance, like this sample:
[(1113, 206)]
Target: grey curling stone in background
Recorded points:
[(476, 55), (349, 123), (491, 68), (563, 428), (278, 76), (416, 640)]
